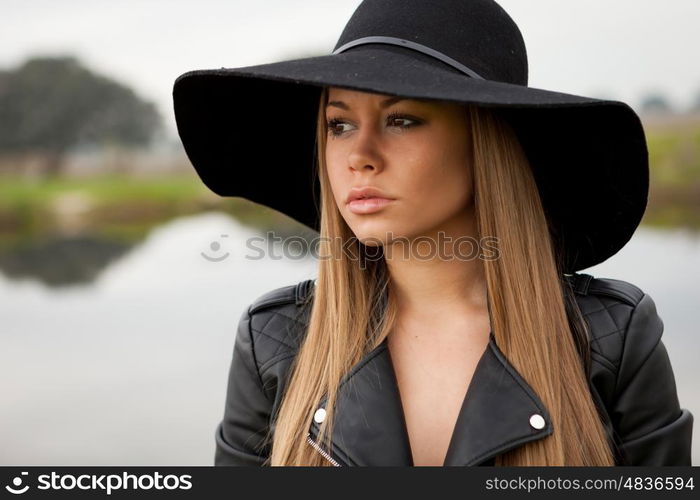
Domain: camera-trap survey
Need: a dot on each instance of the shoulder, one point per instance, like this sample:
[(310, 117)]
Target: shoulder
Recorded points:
[(632, 379), (277, 322), (289, 294), (621, 317), (266, 338)]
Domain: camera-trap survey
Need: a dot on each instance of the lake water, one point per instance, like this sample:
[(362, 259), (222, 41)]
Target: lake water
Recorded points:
[(130, 368)]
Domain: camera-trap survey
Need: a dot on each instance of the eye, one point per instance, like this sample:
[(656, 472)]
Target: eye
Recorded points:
[(333, 123), (401, 117)]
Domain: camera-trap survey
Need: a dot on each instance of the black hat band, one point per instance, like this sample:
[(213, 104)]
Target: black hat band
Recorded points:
[(389, 40)]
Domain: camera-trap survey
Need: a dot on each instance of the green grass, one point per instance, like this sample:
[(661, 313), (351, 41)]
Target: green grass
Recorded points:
[(16, 192), (674, 156), (117, 207)]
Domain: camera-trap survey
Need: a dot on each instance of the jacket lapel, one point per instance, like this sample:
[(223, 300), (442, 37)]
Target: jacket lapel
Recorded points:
[(497, 414), (370, 426)]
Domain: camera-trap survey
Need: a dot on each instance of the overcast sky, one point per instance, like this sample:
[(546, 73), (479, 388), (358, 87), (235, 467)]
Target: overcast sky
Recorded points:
[(615, 49)]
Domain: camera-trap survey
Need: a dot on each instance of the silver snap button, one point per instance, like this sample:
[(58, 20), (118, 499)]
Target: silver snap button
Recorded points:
[(537, 421), (320, 415)]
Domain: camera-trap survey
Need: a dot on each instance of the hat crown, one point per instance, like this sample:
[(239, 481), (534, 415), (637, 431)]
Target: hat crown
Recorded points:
[(476, 33)]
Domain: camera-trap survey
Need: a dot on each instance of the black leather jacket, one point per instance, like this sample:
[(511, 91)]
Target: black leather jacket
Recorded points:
[(630, 378)]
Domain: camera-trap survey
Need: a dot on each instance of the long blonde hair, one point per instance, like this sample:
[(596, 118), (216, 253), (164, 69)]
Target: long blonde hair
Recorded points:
[(527, 300)]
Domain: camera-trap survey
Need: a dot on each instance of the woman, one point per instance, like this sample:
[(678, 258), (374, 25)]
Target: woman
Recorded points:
[(412, 348)]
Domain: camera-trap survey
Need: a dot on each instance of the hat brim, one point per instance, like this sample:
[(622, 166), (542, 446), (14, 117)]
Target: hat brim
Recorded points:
[(250, 132)]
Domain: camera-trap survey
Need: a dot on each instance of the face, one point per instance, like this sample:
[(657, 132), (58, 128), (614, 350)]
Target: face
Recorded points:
[(415, 152)]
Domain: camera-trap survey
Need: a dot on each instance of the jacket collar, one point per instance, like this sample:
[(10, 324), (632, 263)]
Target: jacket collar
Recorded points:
[(370, 427)]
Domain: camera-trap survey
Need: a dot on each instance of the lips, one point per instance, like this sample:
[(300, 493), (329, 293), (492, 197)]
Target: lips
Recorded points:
[(367, 200), (366, 192), (368, 205)]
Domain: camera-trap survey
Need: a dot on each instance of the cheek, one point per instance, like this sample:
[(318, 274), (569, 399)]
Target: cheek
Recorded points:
[(335, 172), (441, 173)]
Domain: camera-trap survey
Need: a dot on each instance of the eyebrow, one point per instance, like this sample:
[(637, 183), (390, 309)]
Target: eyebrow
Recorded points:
[(384, 104)]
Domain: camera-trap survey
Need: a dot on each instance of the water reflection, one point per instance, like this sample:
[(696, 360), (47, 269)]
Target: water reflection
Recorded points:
[(131, 367), (57, 259), (60, 261)]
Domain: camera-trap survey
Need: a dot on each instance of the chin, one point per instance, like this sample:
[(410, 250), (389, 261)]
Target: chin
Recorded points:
[(370, 233), (376, 232), (371, 238)]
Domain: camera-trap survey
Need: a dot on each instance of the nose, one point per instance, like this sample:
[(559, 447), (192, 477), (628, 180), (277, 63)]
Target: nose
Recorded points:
[(365, 153)]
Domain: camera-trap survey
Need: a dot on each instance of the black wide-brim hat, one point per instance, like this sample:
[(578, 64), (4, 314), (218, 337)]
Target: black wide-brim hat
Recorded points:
[(250, 132)]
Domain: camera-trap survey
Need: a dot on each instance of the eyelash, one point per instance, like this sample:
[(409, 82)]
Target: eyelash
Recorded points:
[(334, 122)]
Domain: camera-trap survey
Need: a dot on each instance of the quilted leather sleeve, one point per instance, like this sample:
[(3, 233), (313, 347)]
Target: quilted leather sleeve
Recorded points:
[(652, 427), (241, 434), (267, 339)]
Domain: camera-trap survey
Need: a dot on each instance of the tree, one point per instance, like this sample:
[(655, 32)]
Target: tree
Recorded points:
[(53, 104)]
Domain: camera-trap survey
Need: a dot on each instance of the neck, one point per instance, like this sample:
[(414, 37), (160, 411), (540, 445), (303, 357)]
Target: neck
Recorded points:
[(439, 273)]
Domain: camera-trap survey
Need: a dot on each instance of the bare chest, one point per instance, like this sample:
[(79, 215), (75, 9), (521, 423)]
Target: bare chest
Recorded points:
[(433, 376)]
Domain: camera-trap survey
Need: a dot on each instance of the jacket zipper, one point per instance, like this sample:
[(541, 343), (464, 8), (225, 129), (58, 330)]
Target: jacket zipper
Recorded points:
[(323, 453)]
